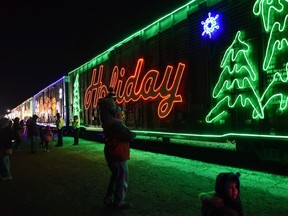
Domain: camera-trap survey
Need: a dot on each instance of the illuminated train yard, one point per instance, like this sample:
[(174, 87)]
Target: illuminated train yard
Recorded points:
[(210, 70)]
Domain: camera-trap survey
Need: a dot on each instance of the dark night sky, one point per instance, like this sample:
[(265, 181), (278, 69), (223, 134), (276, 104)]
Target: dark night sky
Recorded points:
[(41, 41)]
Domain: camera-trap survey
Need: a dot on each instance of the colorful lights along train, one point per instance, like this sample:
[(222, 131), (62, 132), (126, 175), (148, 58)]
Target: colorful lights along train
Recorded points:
[(209, 70)]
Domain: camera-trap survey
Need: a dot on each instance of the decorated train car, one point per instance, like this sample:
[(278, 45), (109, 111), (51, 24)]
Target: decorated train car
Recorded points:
[(212, 70), (209, 70), (45, 104), (50, 101), (23, 110)]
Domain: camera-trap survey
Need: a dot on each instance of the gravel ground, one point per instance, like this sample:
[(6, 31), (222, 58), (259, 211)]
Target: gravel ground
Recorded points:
[(72, 180)]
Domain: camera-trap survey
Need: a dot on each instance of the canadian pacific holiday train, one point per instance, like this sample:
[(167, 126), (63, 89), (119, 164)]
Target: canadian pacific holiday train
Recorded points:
[(210, 70)]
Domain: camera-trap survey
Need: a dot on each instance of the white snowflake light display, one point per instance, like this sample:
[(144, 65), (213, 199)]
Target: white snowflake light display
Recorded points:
[(210, 25)]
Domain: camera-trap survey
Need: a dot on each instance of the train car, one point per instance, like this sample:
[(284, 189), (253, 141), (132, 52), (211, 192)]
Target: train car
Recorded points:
[(17, 111), (23, 110), (213, 70), (209, 70), (51, 100), (46, 104)]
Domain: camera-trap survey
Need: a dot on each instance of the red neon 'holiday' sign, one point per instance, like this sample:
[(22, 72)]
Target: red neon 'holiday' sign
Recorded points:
[(133, 89)]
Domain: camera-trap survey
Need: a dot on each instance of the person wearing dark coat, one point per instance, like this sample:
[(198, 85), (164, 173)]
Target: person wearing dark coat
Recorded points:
[(76, 129), (6, 145), (225, 200), (18, 132), (33, 134), (117, 154), (59, 126)]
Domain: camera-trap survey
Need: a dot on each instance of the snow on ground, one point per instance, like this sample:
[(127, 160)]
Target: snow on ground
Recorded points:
[(275, 184), (72, 180)]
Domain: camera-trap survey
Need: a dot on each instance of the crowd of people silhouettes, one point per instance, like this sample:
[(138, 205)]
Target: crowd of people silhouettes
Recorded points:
[(223, 201)]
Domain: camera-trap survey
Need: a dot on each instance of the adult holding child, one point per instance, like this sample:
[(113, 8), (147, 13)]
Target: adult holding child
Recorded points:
[(117, 150), (117, 154)]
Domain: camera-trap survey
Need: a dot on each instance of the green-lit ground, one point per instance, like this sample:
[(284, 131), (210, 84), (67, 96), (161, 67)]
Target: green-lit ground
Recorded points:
[(72, 181)]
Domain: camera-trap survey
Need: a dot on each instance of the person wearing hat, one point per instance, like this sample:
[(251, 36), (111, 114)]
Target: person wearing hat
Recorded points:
[(111, 93), (107, 108), (76, 129)]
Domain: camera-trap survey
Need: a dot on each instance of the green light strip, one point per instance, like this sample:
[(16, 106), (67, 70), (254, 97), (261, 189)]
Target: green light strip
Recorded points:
[(182, 9), (191, 135)]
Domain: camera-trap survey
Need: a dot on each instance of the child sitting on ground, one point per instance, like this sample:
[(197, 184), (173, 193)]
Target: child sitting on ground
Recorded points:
[(225, 200)]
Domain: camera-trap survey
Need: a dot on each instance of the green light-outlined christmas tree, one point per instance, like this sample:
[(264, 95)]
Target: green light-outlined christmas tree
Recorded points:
[(76, 97), (274, 16), (237, 83)]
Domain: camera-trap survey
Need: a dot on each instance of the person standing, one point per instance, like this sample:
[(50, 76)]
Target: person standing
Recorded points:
[(6, 140), (117, 154), (33, 133), (76, 129), (18, 131), (47, 137), (23, 126), (59, 125)]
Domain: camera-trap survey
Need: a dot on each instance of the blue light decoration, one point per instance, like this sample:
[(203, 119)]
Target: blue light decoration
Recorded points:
[(210, 25)]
